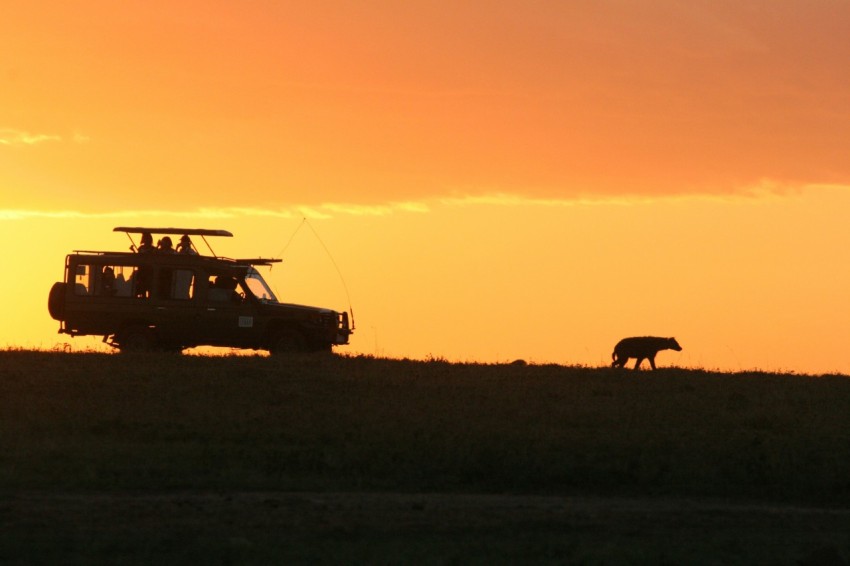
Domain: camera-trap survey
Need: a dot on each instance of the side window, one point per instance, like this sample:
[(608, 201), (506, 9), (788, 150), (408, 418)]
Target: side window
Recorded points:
[(83, 280), (115, 280), (112, 280), (100, 280), (222, 289), (182, 285)]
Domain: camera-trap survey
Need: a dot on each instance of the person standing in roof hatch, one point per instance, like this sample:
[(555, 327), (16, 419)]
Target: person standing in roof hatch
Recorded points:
[(185, 245), (165, 246), (147, 243)]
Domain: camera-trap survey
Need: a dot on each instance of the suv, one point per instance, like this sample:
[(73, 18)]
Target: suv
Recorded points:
[(170, 300)]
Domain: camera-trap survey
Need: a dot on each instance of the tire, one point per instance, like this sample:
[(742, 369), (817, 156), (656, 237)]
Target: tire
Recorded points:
[(287, 342), (323, 348), (56, 301), (136, 338)]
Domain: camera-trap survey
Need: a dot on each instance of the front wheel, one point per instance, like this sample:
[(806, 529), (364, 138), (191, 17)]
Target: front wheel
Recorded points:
[(287, 342), (136, 338)]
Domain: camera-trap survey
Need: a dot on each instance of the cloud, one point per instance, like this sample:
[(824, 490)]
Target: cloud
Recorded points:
[(375, 210), (12, 137), (764, 190), (312, 212), (17, 214), (412, 206), (513, 199), (23, 138), (201, 213), (316, 212), (323, 211)]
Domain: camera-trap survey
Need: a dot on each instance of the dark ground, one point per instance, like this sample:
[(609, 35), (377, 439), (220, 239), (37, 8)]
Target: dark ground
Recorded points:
[(173, 460), (430, 528)]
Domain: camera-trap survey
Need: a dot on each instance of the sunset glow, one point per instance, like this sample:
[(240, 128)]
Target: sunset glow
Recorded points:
[(494, 180)]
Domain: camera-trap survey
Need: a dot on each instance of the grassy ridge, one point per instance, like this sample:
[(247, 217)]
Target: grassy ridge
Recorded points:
[(71, 422)]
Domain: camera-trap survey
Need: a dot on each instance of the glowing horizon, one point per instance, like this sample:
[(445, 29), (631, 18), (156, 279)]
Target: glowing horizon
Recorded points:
[(464, 303)]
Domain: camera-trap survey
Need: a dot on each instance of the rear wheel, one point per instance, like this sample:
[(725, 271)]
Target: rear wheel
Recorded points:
[(287, 342), (136, 338)]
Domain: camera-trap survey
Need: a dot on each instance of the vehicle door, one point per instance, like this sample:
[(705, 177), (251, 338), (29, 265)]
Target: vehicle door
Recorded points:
[(85, 311), (229, 316), (102, 295), (176, 305)]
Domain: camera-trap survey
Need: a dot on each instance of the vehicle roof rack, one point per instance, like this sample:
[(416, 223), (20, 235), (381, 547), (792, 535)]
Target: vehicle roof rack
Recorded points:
[(258, 261), (177, 231)]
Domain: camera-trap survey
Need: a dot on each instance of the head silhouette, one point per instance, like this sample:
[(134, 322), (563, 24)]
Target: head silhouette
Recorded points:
[(185, 245)]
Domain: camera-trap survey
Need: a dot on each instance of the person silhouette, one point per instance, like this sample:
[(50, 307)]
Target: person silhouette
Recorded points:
[(185, 245), (147, 243), (165, 245), (107, 279)]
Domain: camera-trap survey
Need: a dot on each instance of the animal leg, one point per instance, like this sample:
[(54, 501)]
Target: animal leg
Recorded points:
[(638, 362), (652, 362)]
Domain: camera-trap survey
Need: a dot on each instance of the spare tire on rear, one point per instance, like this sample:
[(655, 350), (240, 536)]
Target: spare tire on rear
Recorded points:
[(56, 301)]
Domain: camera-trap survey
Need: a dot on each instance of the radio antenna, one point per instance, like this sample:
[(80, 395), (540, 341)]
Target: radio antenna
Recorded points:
[(330, 256), (292, 237)]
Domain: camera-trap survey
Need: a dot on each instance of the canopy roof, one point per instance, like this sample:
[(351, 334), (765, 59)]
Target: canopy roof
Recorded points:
[(178, 231)]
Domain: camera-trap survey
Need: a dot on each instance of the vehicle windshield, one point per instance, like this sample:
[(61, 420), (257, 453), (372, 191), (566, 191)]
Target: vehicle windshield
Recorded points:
[(258, 286)]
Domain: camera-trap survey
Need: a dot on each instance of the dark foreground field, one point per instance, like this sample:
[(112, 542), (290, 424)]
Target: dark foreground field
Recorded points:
[(108, 459)]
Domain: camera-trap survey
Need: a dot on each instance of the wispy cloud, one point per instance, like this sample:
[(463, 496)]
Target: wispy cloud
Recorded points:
[(12, 137), (375, 209), (202, 213), (505, 199), (761, 190), (23, 138), (20, 214), (516, 200), (313, 213), (764, 190)]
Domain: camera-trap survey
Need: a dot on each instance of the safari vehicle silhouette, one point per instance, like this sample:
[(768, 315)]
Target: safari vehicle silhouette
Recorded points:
[(162, 299)]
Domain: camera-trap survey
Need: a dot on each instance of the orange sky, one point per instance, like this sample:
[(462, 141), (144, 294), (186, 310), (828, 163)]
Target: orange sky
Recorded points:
[(470, 164)]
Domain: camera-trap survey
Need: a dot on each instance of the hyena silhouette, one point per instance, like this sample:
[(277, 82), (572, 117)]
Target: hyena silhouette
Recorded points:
[(641, 348)]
